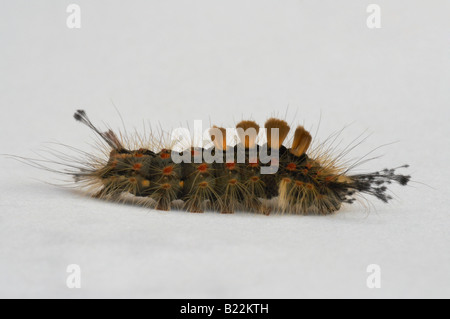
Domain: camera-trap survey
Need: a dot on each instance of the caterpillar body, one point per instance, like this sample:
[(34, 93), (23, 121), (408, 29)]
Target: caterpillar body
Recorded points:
[(303, 183)]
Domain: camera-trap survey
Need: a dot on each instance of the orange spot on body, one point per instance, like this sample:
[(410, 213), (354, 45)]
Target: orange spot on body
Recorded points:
[(291, 167), (304, 171), (132, 180), (254, 165), (164, 154), (233, 181), (254, 178), (308, 166), (113, 164), (167, 170), (309, 186), (138, 155), (230, 166), (203, 184), (286, 180), (166, 186), (202, 168), (137, 166), (145, 183), (299, 183)]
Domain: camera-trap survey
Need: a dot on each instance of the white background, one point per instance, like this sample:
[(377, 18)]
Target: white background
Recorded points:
[(176, 61)]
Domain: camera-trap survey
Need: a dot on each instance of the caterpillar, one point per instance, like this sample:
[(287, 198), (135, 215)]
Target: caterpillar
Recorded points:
[(250, 176)]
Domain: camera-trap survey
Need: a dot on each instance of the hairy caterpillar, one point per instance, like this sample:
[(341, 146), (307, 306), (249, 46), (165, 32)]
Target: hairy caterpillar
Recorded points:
[(303, 182)]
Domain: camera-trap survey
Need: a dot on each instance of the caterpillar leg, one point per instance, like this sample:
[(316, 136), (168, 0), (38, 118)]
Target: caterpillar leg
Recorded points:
[(194, 205), (199, 187), (163, 204), (163, 195), (264, 209), (232, 197)]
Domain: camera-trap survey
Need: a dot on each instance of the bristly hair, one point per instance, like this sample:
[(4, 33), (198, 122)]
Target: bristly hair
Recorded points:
[(308, 181), (109, 136)]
